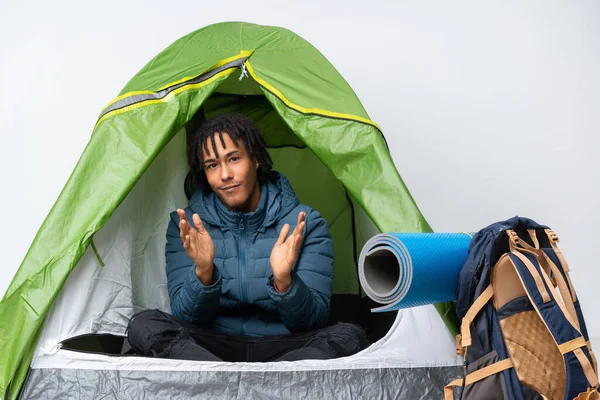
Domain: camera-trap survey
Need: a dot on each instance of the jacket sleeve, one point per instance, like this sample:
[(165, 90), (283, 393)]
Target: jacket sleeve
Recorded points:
[(305, 305), (190, 299)]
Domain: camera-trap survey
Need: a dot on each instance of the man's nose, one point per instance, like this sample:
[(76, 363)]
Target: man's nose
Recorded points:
[(226, 173)]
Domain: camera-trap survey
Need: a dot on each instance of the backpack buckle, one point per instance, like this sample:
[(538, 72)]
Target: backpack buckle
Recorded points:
[(518, 242), (513, 237), (460, 350), (552, 235)]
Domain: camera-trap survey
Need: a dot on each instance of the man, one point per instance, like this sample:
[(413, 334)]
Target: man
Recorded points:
[(242, 288)]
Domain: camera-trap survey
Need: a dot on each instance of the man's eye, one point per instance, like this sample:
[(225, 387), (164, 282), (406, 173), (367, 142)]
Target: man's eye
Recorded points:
[(235, 158), (211, 166)]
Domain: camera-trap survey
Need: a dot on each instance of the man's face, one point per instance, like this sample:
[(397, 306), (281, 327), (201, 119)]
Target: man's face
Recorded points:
[(232, 174)]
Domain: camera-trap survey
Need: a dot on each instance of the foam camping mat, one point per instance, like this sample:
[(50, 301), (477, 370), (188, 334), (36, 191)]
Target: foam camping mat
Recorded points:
[(401, 270)]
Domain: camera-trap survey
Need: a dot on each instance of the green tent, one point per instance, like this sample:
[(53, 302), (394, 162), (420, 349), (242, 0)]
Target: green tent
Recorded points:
[(318, 133)]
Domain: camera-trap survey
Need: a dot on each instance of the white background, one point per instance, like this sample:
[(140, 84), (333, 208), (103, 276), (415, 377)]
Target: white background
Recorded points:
[(491, 109)]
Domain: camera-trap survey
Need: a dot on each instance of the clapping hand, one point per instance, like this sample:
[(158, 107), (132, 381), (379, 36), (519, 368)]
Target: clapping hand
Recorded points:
[(285, 253), (199, 246)]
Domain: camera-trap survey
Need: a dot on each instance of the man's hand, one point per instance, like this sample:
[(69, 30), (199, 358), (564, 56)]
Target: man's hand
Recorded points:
[(199, 246), (285, 253)]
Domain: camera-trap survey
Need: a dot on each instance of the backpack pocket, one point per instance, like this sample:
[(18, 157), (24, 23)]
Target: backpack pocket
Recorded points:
[(492, 387), (537, 361)]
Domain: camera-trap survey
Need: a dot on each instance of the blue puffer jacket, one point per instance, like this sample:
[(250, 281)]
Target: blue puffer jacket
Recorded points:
[(242, 300)]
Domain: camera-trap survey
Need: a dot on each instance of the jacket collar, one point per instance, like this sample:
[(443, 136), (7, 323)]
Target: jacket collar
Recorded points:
[(252, 220), (277, 198)]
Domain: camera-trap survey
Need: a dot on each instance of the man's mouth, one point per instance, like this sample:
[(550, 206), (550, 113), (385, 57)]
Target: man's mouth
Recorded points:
[(229, 188)]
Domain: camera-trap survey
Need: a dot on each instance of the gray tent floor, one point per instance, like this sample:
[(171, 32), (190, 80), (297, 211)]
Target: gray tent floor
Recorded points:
[(373, 383)]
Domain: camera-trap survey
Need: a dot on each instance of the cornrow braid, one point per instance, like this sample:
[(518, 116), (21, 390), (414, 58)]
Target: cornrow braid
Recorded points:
[(238, 127)]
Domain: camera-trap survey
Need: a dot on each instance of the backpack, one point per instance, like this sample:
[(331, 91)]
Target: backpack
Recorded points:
[(522, 333)]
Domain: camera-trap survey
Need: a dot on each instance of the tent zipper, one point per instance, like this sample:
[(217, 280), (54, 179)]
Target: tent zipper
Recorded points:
[(244, 72), (136, 98)]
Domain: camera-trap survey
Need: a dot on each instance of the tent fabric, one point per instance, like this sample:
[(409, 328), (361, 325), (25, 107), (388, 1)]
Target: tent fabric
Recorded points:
[(409, 383), (402, 347), (392, 365), (322, 113)]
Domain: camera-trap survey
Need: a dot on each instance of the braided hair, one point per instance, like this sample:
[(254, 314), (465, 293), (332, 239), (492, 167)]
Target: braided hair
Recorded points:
[(238, 127)]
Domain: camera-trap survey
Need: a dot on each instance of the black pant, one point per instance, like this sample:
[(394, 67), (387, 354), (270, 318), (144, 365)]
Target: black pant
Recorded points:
[(154, 333)]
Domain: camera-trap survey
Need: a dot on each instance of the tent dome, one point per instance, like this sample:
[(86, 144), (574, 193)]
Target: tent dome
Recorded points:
[(99, 255)]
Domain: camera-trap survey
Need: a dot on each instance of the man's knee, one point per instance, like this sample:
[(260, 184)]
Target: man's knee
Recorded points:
[(144, 326), (353, 335), (347, 329), (141, 320), (344, 338)]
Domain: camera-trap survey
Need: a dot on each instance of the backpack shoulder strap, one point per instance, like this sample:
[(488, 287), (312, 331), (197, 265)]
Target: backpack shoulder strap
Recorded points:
[(478, 304), (561, 271), (552, 310)]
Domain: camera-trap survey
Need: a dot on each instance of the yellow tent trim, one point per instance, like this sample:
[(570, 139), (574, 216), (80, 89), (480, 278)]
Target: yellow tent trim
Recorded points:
[(303, 110), (242, 54), (166, 98)]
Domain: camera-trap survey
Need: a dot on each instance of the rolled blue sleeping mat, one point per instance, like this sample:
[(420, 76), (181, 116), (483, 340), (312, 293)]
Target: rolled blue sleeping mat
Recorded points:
[(402, 270)]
